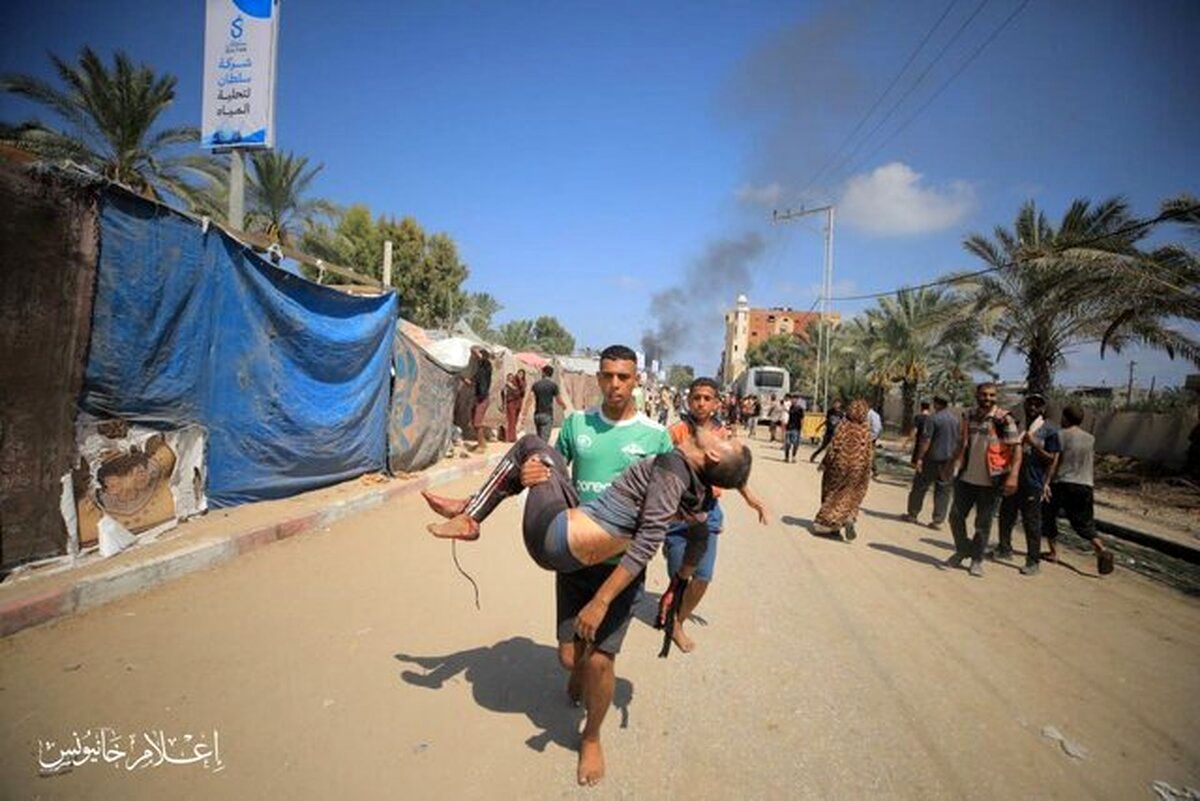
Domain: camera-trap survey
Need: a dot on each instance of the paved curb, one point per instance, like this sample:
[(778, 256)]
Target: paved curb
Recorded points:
[(95, 590)]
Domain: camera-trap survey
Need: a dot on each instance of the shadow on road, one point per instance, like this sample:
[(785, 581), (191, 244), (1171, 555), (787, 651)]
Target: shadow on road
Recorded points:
[(646, 609), (516, 676), (883, 515), (945, 546), (915, 556), (807, 524)]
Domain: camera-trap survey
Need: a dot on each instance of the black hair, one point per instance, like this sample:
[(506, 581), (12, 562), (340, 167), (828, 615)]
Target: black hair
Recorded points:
[(704, 381), (547, 371), (618, 353), (733, 471), (1072, 415), (924, 404)]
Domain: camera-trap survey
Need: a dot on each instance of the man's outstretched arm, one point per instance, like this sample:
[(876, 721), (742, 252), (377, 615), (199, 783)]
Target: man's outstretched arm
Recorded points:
[(755, 503)]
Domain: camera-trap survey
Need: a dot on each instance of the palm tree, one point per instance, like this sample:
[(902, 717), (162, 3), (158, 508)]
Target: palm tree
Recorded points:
[(954, 366), (1053, 288), (907, 329), (110, 117), (277, 182), (1165, 285), (852, 371)]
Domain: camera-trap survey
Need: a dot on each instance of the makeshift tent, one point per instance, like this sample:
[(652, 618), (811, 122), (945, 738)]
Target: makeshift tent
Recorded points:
[(290, 379), (420, 422)]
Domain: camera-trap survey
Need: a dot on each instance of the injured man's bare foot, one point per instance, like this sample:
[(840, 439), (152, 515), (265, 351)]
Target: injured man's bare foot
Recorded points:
[(459, 527), (591, 762), (682, 641), (446, 507)]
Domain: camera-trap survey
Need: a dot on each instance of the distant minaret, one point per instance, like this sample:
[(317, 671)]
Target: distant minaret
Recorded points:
[(737, 340)]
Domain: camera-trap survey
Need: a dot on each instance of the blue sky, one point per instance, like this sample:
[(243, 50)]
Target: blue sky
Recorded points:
[(588, 155)]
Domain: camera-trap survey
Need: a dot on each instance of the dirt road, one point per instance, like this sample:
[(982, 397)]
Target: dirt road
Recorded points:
[(352, 664)]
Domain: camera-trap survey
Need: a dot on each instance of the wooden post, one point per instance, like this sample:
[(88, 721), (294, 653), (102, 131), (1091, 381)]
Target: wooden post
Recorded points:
[(387, 265)]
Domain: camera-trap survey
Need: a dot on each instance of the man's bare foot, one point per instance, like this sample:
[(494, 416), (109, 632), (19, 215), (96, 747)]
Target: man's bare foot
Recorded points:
[(591, 762), (682, 641), (446, 507), (459, 527)]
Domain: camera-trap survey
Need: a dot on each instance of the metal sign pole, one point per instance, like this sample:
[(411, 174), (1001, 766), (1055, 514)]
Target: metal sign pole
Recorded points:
[(237, 189)]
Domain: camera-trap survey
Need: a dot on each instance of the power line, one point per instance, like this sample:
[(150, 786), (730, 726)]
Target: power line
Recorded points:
[(895, 79), (912, 87), (959, 277), (962, 67)]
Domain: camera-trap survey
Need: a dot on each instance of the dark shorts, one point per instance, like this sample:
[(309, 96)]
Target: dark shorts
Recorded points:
[(574, 590)]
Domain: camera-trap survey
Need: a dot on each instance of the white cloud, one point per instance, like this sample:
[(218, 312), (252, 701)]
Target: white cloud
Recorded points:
[(760, 195), (625, 282), (892, 201)]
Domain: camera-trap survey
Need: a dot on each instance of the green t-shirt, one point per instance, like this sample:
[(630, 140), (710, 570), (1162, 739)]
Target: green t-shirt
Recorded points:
[(599, 449)]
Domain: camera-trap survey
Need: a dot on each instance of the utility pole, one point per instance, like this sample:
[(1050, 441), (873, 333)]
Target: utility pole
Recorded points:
[(1129, 387), (824, 335), (237, 189)]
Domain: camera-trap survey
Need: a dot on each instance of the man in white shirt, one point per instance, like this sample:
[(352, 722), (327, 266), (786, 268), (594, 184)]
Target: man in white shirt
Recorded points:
[(875, 424)]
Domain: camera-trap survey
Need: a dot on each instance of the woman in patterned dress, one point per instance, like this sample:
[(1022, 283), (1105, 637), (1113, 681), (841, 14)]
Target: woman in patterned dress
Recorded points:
[(847, 473)]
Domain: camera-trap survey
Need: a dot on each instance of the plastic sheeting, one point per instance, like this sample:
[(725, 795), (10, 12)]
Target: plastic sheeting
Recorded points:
[(421, 420), (289, 378)]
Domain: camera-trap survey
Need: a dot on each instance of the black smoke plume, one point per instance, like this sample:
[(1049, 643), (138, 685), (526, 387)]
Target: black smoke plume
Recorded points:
[(683, 315)]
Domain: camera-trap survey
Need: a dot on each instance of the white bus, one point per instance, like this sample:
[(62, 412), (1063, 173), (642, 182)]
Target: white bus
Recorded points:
[(763, 382)]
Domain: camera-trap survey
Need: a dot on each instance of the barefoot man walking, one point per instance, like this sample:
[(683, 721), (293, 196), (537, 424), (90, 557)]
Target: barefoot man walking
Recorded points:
[(599, 444), (702, 409)]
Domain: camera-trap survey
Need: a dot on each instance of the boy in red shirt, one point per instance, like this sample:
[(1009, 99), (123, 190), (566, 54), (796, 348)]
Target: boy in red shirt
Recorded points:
[(703, 402)]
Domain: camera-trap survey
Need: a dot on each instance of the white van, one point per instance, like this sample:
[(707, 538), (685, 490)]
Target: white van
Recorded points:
[(763, 382)]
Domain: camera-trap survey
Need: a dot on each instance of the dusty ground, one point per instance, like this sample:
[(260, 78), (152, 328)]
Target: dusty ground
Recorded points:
[(352, 664), (1149, 498)]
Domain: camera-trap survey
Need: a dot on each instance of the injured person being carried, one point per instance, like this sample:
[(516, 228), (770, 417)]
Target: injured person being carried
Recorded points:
[(631, 517)]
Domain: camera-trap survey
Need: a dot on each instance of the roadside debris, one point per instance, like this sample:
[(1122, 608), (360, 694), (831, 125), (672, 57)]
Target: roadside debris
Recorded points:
[(1070, 747)]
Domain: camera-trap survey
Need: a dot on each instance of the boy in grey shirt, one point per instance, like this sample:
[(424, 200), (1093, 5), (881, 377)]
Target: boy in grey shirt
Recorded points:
[(1071, 490)]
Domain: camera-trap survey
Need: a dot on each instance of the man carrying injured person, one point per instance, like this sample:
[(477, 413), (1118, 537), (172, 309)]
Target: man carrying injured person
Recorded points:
[(631, 516)]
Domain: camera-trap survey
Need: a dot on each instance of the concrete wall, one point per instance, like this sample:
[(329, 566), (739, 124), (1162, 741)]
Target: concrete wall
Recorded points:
[(1150, 436)]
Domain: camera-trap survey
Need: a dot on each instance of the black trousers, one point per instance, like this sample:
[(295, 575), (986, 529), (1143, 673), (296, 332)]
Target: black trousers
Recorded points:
[(937, 474), (544, 502), (1075, 500), (983, 500), (1028, 503)]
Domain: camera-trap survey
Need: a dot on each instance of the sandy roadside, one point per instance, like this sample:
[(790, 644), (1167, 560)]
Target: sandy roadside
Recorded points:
[(351, 662)]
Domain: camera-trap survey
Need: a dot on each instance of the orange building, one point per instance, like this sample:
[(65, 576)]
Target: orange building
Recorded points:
[(746, 327), (766, 323)]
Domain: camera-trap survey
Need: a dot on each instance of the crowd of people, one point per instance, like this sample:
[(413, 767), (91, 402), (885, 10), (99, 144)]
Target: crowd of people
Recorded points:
[(987, 462), (617, 486)]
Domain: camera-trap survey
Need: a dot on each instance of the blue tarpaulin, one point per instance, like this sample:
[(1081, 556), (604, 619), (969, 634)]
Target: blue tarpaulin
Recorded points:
[(291, 379)]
